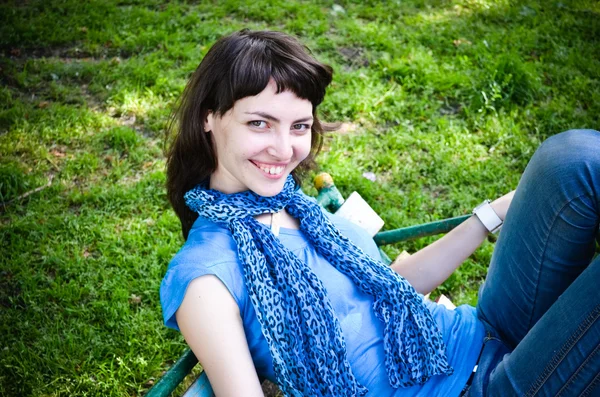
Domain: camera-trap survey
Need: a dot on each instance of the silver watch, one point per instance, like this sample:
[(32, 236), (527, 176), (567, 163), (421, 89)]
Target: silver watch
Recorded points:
[(486, 215)]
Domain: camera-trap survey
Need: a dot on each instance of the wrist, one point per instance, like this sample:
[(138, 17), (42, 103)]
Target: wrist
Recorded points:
[(488, 216)]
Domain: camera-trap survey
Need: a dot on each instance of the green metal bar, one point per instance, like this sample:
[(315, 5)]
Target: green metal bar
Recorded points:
[(165, 386), (411, 232)]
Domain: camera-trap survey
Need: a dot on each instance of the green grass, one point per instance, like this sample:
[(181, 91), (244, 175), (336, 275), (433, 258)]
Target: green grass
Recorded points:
[(449, 99)]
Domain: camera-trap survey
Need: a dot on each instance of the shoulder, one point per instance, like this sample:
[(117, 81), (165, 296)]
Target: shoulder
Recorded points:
[(209, 241), (209, 250), (210, 294), (347, 227), (359, 236)]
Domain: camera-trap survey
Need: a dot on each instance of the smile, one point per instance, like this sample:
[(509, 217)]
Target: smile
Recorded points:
[(270, 170)]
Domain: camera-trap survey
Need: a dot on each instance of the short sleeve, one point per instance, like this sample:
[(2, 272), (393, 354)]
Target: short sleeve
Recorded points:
[(197, 260)]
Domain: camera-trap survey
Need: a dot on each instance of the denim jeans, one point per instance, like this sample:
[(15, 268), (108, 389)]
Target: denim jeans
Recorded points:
[(541, 299)]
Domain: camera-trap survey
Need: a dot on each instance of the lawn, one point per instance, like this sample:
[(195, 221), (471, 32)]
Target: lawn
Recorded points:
[(445, 101)]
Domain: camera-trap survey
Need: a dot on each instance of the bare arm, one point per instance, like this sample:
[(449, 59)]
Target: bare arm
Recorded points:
[(211, 324), (432, 265)]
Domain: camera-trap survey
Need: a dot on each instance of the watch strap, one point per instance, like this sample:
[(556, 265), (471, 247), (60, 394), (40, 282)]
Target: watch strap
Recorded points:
[(488, 217)]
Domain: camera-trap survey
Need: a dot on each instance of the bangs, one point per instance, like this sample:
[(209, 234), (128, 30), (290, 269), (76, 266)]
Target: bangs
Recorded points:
[(257, 61)]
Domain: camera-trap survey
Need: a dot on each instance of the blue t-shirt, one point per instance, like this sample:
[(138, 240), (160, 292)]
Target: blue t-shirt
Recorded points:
[(210, 249)]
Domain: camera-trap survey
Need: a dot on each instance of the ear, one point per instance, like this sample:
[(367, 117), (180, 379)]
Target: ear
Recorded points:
[(209, 121)]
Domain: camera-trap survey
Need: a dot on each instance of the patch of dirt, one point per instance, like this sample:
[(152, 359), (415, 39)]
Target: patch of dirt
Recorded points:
[(451, 109), (130, 120), (346, 128), (93, 101), (435, 191), (354, 56)]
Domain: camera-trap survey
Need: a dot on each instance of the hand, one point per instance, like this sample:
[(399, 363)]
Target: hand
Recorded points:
[(500, 205)]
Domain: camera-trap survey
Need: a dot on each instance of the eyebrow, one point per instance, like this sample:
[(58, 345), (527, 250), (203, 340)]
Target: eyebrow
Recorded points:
[(276, 120)]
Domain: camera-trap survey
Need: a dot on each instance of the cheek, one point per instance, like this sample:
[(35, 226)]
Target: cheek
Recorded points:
[(220, 144), (231, 149), (248, 147), (303, 149)]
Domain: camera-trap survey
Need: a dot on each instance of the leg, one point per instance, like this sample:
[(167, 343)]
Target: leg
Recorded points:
[(548, 236), (560, 356)]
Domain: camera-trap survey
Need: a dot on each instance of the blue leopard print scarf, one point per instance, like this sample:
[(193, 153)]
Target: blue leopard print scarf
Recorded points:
[(304, 336)]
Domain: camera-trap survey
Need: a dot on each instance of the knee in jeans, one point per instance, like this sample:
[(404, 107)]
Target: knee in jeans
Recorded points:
[(572, 146)]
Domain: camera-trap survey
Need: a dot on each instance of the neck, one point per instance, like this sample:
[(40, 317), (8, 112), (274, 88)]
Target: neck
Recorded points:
[(287, 221)]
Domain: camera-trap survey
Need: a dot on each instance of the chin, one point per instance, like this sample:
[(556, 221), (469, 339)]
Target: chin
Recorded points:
[(271, 190)]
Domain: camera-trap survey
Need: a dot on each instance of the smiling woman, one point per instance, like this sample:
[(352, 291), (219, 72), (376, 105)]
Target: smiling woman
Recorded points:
[(315, 310), (260, 141), (256, 94)]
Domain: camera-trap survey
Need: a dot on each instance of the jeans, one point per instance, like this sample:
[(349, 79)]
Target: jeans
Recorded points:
[(541, 299)]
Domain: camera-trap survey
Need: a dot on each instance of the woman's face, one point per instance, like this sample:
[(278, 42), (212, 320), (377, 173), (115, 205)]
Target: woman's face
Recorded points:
[(260, 141)]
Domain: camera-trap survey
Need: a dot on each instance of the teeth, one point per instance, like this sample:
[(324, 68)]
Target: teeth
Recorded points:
[(272, 170)]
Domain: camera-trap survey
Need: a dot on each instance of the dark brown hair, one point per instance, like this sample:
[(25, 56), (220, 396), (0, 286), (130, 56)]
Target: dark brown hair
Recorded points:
[(236, 66)]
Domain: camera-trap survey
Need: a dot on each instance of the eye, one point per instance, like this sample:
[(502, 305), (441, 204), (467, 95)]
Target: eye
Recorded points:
[(258, 124), (301, 127)]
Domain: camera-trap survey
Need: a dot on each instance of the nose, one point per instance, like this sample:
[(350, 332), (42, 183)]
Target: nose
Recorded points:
[(281, 146)]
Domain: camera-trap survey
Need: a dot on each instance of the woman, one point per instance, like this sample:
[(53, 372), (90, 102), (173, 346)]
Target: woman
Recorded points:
[(268, 285)]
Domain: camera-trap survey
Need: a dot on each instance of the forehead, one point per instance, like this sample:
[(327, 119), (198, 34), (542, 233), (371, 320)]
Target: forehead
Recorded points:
[(282, 104)]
